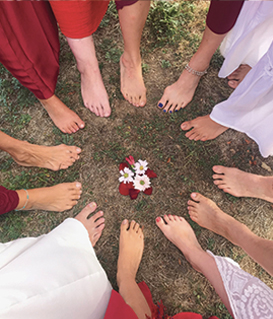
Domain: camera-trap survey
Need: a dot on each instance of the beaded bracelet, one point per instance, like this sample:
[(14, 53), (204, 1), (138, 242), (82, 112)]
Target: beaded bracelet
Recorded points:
[(25, 202), (194, 72)]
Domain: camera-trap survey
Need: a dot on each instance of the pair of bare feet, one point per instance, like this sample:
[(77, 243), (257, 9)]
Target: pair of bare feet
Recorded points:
[(57, 198), (94, 94), (180, 94)]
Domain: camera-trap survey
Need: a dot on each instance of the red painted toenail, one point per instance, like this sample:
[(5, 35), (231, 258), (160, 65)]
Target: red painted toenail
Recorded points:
[(158, 219)]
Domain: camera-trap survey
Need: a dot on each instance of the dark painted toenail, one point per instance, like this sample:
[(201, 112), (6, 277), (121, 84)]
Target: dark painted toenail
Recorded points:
[(160, 105), (170, 111), (176, 110), (164, 111)]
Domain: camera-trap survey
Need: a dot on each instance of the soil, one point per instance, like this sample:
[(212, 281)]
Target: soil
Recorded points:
[(146, 133)]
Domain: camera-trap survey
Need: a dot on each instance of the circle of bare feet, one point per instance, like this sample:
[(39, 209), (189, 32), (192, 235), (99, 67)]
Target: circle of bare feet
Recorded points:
[(100, 137)]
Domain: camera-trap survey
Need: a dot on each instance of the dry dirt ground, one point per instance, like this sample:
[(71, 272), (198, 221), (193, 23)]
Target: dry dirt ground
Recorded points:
[(146, 133)]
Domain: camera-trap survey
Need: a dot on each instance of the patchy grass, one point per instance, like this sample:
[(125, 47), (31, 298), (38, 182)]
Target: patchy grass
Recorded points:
[(171, 35)]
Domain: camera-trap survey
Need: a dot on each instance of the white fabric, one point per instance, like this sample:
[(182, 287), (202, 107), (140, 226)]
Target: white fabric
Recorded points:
[(249, 297), (53, 276), (250, 38), (249, 109)]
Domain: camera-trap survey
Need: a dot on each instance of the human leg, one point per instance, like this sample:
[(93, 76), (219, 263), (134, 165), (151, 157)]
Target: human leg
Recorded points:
[(242, 184), (78, 20), (179, 232), (221, 17), (56, 198), (33, 56), (94, 94), (207, 214), (130, 253), (132, 20), (51, 157), (179, 94)]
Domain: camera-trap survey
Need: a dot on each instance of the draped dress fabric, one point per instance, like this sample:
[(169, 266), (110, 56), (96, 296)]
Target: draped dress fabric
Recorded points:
[(248, 296), (249, 109), (9, 200), (79, 19), (54, 276), (29, 45)]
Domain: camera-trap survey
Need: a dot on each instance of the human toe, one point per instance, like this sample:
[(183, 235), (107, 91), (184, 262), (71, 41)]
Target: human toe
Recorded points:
[(233, 84), (124, 225), (218, 169), (142, 101), (160, 223), (186, 125), (96, 217), (196, 196)]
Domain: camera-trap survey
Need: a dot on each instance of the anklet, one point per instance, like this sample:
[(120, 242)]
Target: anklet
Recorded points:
[(25, 202), (194, 72)]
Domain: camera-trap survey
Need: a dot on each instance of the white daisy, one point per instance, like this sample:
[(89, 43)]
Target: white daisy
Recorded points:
[(126, 176), (141, 182), (141, 167)]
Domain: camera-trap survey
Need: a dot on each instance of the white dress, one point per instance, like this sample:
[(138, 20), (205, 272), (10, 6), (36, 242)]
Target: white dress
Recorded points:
[(54, 276), (249, 109), (248, 296)]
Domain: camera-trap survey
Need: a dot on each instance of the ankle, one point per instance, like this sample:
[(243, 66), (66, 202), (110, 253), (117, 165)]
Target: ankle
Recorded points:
[(130, 60)]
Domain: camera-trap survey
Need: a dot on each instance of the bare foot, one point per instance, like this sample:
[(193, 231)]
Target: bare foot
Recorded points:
[(57, 198), (66, 120), (179, 94), (204, 129), (207, 214), (236, 77), (94, 95), (131, 80), (131, 245), (94, 224), (180, 233), (51, 157), (241, 184)]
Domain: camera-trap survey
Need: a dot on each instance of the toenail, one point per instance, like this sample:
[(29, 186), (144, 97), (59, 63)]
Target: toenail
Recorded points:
[(158, 219), (176, 110), (78, 185), (125, 221), (193, 195), (170, 111), (164, 111), (93, 204), (160, 105), (78, 150)]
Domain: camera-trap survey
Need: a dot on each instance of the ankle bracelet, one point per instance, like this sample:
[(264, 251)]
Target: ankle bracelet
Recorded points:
[(194, 72), (25, 202)]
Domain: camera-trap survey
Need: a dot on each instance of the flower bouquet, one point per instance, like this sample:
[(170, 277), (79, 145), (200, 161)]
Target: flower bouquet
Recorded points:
[(135, 177)]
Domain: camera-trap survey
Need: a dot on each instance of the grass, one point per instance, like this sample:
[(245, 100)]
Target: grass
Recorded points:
[(170, 37)]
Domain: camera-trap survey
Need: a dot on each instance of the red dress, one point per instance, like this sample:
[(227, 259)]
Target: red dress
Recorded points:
[(118, 309), (29, 45), (79, 19)]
